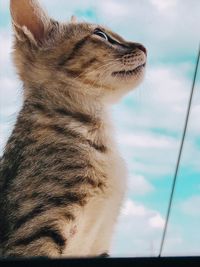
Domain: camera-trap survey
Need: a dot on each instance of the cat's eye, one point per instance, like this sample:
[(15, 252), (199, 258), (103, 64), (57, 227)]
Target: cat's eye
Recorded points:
[(101, 34)]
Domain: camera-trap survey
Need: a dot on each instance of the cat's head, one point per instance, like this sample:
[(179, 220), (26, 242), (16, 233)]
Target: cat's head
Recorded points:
[(86, 58)]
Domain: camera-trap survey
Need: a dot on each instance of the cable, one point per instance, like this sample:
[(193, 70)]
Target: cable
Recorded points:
[(179, 155)]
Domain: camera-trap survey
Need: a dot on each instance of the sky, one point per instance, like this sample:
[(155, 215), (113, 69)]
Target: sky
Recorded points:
[(148, 122)]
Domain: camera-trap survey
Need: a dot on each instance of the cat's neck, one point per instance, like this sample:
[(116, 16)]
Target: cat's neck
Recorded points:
[(66, 98), (66, 108)]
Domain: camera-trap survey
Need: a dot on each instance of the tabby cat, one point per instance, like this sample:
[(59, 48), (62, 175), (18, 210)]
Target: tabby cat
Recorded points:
[(62, 180)]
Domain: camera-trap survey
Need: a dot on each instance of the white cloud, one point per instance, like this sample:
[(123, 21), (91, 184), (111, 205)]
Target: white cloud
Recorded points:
[(163, 5), (11, 93), (191, 153), (147, 140), (138, 185), (139, 231), (191, 206), (194, 126), (145, 153), (132, 209), (157, 221), (4, 5), (114, 9), (5, 48), (10, 104)]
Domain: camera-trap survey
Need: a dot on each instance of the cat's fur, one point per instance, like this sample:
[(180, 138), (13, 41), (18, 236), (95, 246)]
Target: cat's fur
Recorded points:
[(62, 179)]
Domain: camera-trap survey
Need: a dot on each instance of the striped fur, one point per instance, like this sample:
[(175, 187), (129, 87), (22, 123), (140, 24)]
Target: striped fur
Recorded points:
[(62, 180)]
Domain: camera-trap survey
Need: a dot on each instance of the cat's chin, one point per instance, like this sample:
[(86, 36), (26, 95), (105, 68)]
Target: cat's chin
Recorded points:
[(126, 81), (123, 87)]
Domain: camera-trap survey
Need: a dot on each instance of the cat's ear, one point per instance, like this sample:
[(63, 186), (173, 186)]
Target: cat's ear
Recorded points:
[(29, 20), (74, 19)]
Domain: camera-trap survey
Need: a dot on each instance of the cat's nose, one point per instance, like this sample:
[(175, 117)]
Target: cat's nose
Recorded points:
[(139, 46)]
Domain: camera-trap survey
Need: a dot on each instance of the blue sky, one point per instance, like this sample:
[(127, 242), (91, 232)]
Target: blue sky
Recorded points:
[(149, 121)]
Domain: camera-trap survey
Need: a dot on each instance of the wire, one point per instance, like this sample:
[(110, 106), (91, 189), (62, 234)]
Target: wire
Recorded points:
[(179, 155)]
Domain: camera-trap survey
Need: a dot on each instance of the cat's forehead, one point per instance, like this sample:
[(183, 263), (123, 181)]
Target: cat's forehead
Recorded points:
[(79, 28)]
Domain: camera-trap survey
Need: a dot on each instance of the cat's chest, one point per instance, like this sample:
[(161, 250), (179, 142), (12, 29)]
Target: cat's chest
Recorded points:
[(111, 162), (116, 172), (97, 218), (114, 177)]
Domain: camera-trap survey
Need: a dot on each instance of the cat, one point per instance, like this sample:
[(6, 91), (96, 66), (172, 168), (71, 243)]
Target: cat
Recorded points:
[(62, 179)]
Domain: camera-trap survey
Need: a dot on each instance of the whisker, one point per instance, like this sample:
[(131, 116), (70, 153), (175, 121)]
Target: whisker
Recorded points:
[(108, 62)]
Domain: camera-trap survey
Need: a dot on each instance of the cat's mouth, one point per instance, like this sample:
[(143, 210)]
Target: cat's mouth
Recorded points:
[(128, 72)]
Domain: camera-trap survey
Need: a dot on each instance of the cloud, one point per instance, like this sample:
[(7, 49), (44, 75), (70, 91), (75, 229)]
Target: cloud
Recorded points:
[(157, 221), (191, 206), (12, 95), (139, 231), (5, 51), (138, 185), (149, 159), (194, 126), (164, 5), (147, 140), (113, 9), (10, 104), (4, 5), (133, 209)]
